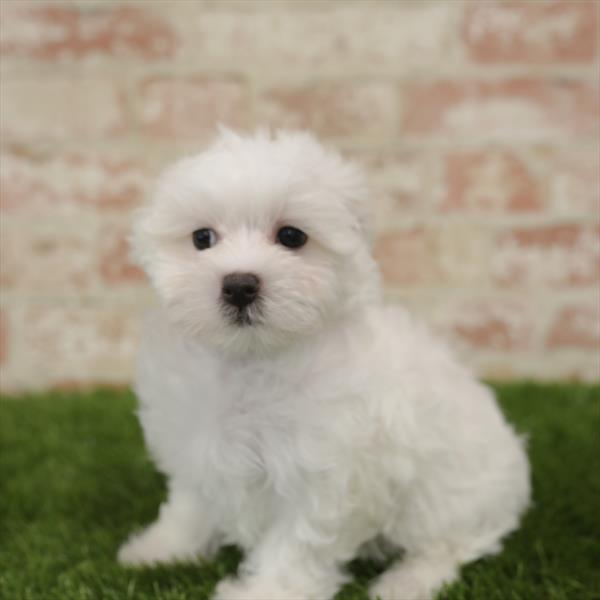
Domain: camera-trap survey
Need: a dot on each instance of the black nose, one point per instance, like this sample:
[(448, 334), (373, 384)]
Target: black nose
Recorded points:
[(240, 289)]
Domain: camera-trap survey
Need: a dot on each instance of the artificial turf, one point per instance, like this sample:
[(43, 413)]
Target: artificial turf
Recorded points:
[(75, 480)]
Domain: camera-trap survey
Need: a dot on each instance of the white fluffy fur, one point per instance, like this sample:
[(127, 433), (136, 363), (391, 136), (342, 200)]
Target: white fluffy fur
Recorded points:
[(330, 421)]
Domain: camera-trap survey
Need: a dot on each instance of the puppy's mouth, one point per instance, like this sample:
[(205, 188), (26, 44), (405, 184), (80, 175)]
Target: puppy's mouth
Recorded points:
[(243, 317), (246, 316)]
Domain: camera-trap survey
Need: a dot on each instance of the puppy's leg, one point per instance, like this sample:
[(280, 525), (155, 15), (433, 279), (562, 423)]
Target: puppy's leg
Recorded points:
[(415, 578), (183, 530), (283, 567)]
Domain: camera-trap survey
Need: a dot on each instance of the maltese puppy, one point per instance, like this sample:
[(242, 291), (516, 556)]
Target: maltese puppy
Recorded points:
[(293, 413)]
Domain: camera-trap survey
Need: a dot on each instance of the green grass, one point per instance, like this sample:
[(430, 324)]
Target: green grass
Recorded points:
[(75, 481)]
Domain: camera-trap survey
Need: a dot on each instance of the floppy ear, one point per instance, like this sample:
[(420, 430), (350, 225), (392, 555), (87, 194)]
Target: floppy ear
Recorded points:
[(358, 202), (333, 173), (156, 219), (351, 185), (142, 248), (148, 226)]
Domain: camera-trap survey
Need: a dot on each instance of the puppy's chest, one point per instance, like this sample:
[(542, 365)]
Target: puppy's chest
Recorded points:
[(260, 430), (257, 419)]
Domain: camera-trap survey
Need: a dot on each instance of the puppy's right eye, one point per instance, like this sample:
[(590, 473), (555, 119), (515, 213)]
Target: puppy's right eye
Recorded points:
[(204, 238)]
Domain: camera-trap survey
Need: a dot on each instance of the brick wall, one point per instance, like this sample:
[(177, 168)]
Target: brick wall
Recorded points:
[(478, 122)]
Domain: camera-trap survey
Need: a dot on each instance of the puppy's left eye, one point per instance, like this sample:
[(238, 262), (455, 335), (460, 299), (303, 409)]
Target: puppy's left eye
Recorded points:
[(291, 237), (204, 238)]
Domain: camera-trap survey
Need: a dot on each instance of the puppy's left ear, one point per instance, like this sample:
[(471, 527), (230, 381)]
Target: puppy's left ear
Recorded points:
[(365, 222), (357, 196)]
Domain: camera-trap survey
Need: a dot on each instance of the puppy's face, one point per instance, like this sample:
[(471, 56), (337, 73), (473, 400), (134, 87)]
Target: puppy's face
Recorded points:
[(257, 242)]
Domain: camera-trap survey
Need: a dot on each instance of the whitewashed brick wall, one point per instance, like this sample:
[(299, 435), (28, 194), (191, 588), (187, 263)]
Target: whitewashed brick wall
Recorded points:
[(478, 122)]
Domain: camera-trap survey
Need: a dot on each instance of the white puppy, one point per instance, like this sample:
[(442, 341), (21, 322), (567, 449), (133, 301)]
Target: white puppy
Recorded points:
[(293, 413)]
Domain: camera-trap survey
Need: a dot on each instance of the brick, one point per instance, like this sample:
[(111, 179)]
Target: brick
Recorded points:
[(403, 175), (488, 181), (551, 255), (191, 107), (400, 180), (462, 254), (488, 324), (343, 109), (320, 38), (47, 261), (115, 265), (66, 183), (422, 256), (573, 176), (540, 32), (518, 109), (4, 335), (61, 260), (55, 31), (576, 326), (61, 109), (407, 257), (76, 343)]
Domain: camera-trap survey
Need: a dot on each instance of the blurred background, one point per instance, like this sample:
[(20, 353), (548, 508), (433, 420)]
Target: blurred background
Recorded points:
[(478, 123)]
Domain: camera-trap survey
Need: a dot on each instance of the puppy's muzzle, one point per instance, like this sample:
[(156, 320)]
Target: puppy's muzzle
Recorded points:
[(240, 289)]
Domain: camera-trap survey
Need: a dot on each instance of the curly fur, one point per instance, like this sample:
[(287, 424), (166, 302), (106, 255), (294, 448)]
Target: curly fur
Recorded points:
[(331, 420)]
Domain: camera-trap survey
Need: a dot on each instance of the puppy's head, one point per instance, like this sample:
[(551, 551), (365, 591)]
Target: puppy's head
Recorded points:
[(258, 241)]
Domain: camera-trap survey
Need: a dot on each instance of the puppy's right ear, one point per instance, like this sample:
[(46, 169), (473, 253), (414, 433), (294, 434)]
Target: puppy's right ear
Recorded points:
[(140, 248)]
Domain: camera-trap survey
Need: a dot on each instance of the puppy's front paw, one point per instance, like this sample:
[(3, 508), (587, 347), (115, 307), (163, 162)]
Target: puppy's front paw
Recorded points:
[(413, 580), (384, 589), (151, 547), (231, 589), (239, 589)]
